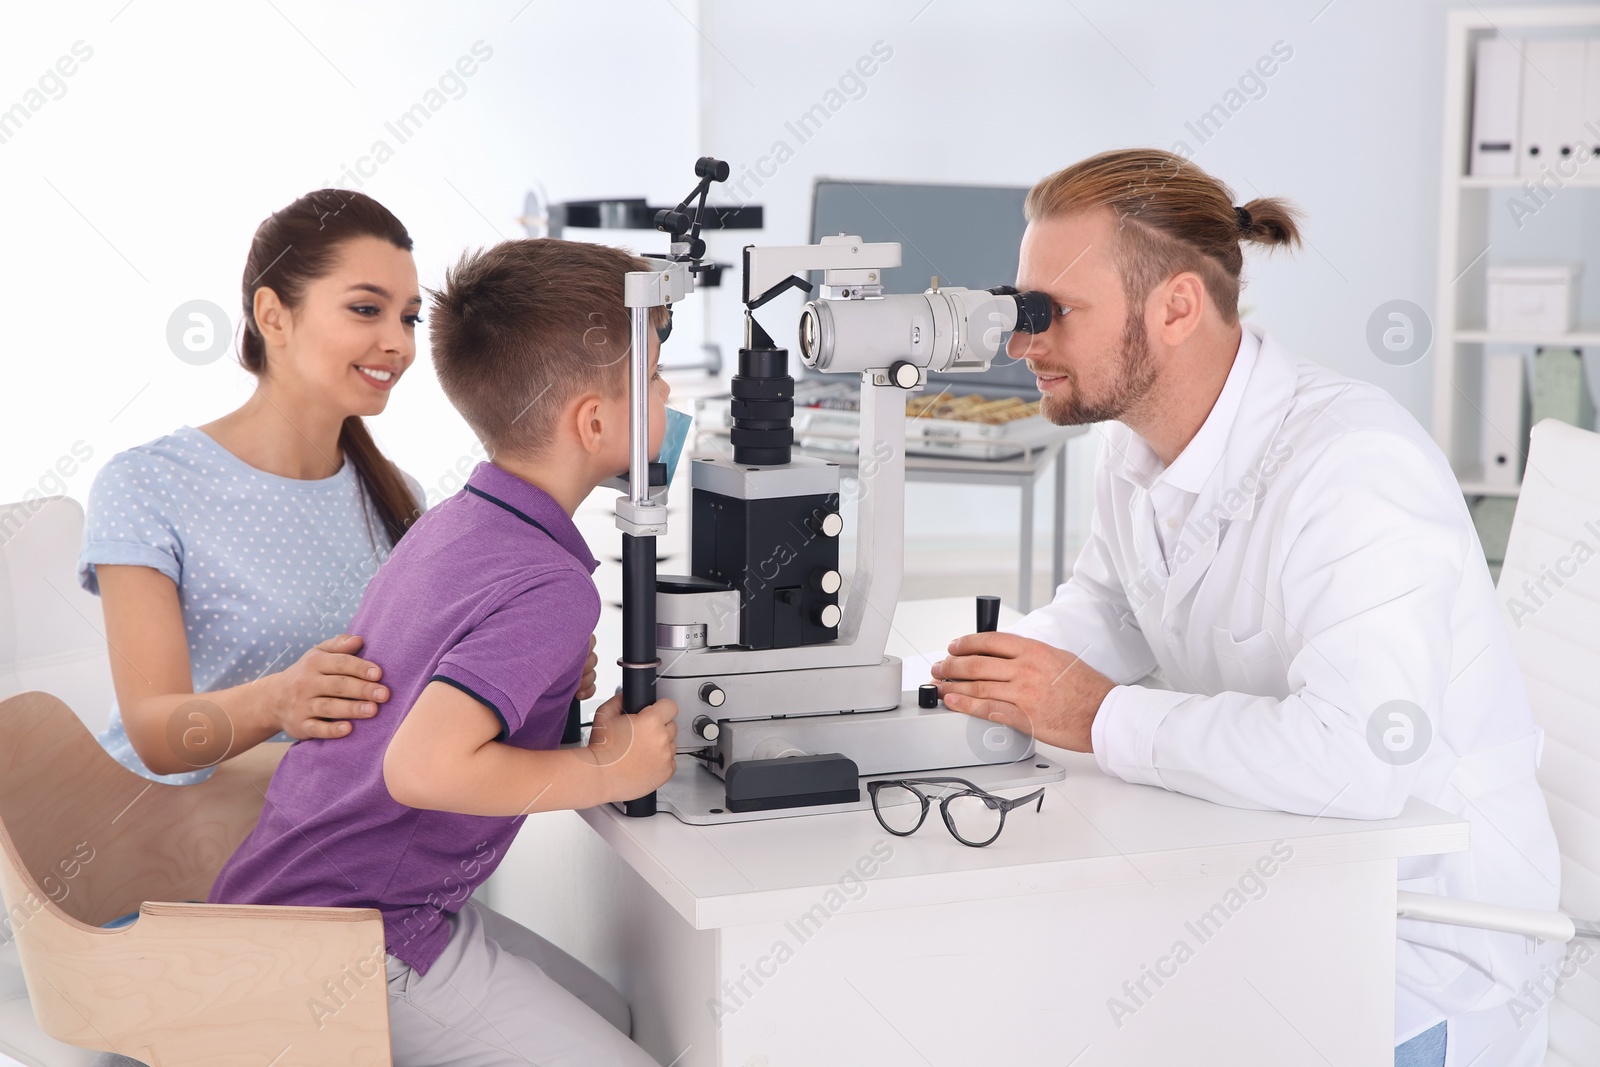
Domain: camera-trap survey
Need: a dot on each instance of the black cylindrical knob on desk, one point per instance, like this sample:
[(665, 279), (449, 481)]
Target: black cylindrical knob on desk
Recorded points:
[(927, 695), (988, 614)]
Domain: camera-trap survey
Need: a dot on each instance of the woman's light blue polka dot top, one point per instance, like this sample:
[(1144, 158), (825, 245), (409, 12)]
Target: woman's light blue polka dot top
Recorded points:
[(266, 566)]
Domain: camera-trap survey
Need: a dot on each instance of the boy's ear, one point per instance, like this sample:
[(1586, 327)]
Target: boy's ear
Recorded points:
[(587, 417)]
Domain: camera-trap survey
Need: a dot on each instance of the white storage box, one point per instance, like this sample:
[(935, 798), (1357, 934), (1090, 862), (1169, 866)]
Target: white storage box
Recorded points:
[(1534, 298)]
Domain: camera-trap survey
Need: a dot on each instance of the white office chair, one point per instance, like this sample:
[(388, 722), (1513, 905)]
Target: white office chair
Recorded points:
[(51, 639), (52, 634), (1558, 647)]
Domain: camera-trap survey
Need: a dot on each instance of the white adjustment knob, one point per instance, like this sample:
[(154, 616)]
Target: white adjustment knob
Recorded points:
[(829, 615), (905, 375), (832, 524), (712, 694), (707, 728), (829, 582)]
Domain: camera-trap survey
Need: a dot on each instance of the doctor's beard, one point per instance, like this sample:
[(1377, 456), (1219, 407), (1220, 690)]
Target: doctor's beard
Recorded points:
[(1136, 375)]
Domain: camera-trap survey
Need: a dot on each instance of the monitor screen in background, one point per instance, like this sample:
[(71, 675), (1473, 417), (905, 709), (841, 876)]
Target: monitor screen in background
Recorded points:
[(966, 234)]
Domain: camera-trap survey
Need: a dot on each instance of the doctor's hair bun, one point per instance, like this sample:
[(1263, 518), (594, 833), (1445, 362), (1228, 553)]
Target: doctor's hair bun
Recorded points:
[(1271, 221)]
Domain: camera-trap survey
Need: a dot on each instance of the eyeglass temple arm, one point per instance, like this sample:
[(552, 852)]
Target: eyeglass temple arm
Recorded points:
[(1037, 794), (1006, 802)]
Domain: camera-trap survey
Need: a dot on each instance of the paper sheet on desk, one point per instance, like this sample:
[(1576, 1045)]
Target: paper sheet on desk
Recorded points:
[(917, 670)]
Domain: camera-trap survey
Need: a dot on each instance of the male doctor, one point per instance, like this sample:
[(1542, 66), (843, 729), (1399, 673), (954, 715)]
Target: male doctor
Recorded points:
[(1282, 603)]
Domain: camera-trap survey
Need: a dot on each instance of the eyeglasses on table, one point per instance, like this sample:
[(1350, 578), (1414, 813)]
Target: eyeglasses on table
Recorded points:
[(974, 816)]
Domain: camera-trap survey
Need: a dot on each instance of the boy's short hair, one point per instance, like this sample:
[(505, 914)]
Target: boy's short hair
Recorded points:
[(519, 329)]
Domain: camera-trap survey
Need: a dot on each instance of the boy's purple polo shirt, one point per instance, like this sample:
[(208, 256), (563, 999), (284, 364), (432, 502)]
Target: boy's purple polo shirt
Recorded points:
[(491, 592)]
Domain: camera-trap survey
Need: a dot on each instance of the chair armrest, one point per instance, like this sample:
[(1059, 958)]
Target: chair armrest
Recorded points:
[(219, 984), (1545, 925)]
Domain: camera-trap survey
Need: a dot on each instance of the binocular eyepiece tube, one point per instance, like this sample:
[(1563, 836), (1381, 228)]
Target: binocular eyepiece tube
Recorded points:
[(949, 329)]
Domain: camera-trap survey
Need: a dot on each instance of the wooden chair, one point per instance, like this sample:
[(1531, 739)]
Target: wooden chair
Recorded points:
[(83, 841)]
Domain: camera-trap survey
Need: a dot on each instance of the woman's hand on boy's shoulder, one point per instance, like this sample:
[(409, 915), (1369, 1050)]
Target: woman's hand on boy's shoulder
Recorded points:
[(327, 686)]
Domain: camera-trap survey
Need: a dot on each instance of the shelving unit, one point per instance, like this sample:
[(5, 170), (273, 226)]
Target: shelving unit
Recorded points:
[(1465, 204), (1470, 182)]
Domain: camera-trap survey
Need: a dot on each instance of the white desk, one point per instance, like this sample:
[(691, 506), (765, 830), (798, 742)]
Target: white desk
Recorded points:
[(1008, 955)]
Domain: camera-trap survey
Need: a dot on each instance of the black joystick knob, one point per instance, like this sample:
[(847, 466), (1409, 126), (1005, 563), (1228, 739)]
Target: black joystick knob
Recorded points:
[(988, 614), (927, 695)]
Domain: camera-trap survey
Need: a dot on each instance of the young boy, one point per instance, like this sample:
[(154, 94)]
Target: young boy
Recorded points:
[(480, 620)]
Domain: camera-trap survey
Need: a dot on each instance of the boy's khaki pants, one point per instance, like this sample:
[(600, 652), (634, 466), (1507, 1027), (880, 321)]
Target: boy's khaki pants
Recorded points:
[(501, 994)]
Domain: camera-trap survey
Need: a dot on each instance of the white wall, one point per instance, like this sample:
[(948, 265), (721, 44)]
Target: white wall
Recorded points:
[(139, 187), (1348, 127)]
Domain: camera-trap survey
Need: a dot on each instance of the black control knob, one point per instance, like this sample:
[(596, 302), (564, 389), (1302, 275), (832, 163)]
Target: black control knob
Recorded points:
[(712, 694), (927, 695), (706, 727), (988, 614)]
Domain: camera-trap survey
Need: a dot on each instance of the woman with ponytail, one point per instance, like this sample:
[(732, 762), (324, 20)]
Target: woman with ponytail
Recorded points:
[(228, 557)]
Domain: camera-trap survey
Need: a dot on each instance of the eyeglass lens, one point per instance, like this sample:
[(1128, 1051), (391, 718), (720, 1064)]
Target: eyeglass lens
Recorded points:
[(899, 808), (974, 819)]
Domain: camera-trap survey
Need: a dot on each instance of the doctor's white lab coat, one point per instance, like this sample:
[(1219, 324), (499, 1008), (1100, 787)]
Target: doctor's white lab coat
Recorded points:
[(1305, 562)]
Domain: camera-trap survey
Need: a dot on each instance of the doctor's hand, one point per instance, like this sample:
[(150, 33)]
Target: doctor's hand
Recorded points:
[(586, 686), (1034, 687)]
